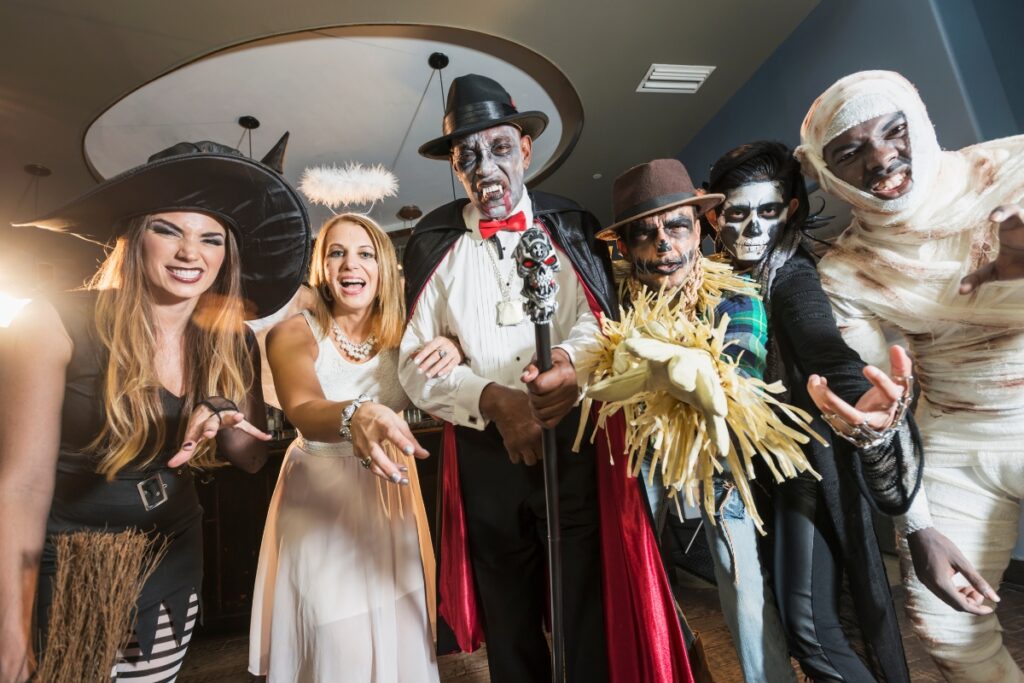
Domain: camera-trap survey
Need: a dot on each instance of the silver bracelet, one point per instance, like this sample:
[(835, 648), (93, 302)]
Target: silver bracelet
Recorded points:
[(863, 436), (345, 432)]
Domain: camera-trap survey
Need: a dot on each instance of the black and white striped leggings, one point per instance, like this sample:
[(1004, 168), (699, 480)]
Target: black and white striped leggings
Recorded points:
[(167, 656)]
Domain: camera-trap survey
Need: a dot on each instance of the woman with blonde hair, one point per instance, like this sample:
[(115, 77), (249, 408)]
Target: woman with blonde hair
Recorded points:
[(344, 590), (106, 393)]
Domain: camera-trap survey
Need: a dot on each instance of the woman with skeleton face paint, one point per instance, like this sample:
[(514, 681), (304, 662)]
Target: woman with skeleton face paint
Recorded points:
[(823, 530)]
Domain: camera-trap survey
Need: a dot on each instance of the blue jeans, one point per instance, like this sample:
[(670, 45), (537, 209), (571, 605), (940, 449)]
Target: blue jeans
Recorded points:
[(747, 601)]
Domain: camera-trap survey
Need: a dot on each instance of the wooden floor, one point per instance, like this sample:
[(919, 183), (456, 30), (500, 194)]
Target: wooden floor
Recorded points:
[(224, 658)]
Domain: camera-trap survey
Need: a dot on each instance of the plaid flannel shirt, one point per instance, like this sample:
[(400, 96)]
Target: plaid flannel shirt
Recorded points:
[(748, 327)]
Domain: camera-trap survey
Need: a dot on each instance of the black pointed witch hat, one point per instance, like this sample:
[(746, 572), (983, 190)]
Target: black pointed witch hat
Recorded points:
[(249, 197)]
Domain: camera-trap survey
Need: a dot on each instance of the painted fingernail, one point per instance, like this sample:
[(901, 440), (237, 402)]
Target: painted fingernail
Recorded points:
[(403, 482), (408, 450), (396, 477), (188, 445), (403, 468)]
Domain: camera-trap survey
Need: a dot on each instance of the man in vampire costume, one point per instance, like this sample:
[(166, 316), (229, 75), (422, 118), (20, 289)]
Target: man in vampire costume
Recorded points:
[(620, 622), (918, 257)]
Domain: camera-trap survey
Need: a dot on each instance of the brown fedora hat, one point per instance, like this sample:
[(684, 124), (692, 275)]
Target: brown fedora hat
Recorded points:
[(651, 188)]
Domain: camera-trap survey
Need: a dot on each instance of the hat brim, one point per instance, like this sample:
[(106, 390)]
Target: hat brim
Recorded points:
[(702, 202), (531, 123), (265, 214)]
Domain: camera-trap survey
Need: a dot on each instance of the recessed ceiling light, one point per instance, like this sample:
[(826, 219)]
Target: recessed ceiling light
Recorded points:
[(598, 176), (674, 78)]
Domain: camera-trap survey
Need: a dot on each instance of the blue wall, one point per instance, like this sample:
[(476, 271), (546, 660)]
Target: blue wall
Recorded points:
[(1001, 22), (964, 57), (837, 38)]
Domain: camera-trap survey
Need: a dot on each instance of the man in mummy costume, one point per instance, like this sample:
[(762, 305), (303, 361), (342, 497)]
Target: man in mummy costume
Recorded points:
[(933, 249), (462, 281)]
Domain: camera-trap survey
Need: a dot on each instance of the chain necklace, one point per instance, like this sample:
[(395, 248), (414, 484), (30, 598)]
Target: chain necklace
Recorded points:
[(357, 352), (509, 311)]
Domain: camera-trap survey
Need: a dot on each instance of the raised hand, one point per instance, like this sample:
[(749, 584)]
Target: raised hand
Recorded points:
[(1009, 264), (937, 560), (438, 357), (375, 430), (877, 406), (205, 422)]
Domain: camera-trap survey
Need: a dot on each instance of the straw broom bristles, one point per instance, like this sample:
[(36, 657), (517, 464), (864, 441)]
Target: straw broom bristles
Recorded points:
[(98, 581)]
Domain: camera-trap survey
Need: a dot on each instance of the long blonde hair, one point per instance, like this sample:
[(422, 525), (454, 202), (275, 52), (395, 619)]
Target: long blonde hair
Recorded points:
[(217, 358), (388, 303)]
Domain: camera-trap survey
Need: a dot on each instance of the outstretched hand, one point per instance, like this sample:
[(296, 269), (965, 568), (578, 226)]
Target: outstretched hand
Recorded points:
[(1009, 263), (689, 375), (376, 429), (937, 560), (877, 406), (204, 423)]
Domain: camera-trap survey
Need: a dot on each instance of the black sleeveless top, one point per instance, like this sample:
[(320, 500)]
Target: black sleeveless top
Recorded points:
[(85, 500)]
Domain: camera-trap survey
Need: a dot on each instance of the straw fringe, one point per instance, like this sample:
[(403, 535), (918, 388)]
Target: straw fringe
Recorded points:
[(682, 448)]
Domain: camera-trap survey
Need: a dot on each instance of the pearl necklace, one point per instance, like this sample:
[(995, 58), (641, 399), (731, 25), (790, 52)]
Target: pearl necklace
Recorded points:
[(357, 352)]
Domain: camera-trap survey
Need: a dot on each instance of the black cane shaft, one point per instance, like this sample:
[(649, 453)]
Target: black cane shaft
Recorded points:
[(550, 445)]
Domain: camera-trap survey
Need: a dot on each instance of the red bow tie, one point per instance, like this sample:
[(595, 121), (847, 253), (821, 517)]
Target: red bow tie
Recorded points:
[(514, 223)]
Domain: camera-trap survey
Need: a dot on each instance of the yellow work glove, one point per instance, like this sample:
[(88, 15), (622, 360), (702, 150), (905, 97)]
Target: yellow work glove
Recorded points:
[(688, 375)]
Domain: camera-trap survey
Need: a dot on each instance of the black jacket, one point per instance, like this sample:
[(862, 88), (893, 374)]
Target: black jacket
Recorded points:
[(809, 342)]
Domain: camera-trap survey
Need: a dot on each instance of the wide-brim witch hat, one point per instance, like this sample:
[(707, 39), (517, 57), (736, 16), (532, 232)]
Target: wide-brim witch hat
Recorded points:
[(651, 188), (249, 197), (476, 103)]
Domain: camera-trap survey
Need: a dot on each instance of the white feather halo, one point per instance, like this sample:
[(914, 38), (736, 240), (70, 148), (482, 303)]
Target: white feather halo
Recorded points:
[(333, 186)]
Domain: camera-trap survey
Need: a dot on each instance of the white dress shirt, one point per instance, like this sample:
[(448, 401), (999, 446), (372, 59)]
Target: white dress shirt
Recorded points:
[(460, 300)]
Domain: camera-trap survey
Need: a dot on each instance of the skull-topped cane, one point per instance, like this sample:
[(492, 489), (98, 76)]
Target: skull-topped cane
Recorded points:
[(537, 264)]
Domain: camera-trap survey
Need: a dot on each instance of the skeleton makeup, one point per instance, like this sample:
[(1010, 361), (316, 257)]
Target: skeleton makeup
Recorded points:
[(491, 165), (751, 219), (663, 247)]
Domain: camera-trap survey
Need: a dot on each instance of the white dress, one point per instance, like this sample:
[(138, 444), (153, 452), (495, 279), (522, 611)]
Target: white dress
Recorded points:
[(340, 591)]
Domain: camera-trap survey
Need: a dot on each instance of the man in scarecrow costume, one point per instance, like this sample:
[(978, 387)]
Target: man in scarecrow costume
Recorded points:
[(935, 240), (461, 280), (822, 531), (667, 284)]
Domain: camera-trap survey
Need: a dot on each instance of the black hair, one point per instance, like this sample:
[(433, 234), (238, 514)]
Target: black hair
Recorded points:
[(773, 162), (764, 160)]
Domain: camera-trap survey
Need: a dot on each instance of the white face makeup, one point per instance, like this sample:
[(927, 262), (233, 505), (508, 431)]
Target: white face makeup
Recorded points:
[(750, 220)]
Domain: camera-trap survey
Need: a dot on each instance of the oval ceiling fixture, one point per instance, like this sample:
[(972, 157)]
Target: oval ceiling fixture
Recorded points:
[(353, 94)]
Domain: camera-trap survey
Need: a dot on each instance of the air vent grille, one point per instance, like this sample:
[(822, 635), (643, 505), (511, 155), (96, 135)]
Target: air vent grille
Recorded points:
[(674, 78)]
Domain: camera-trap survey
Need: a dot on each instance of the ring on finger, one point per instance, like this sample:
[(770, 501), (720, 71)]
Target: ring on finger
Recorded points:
[(441, 353), (366, 462)]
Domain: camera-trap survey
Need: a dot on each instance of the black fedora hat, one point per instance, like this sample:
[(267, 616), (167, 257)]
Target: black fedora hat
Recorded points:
[(476, 103), (249, 197)]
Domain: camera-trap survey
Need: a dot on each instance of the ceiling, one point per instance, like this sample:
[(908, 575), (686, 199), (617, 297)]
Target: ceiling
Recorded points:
[(66, 62), (378, 113)]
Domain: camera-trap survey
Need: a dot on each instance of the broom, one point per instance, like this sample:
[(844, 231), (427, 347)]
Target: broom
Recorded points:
[(98, 581)]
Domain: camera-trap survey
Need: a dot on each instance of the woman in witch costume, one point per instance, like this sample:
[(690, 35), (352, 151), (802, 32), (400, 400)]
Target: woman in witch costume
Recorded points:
[(822, 529), (109, 392)]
